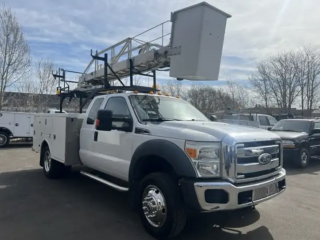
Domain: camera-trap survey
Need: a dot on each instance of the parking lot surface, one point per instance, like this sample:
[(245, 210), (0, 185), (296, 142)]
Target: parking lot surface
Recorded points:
[(33, 207)]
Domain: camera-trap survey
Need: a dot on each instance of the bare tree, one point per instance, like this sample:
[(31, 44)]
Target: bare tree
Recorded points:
[(309, 66), (208, 99), (14, 51), (261, 85), (174, 87), (41, 87), (277, 78), (240, 96)]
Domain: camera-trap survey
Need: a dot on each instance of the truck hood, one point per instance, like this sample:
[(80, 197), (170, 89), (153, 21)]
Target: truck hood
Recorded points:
[(209, 131), (290, 135)]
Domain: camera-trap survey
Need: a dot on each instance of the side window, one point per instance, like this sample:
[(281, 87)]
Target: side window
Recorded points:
[(272, 121), (119, 108), (263, 121), (94, 110), (317, 125)]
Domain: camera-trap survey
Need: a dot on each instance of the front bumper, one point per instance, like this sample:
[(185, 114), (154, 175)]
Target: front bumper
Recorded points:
[(221, 195)]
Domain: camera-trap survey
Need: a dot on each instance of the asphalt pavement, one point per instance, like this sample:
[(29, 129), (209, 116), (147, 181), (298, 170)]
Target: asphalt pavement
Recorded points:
[(33, 207)]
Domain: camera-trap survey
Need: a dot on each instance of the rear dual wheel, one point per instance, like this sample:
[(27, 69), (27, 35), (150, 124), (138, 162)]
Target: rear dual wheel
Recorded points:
[(4, 139), (52, 168)]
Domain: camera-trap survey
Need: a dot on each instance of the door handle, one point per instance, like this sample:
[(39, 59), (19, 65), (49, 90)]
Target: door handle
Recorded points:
[(95, 138), (17, 124)]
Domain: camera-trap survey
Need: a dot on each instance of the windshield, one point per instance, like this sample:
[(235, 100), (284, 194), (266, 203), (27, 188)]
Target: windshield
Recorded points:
[(155, 108), (292, 126)]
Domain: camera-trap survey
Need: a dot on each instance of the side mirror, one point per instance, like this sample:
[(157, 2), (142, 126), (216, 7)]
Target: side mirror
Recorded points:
[(213, 118), (269, 128), (104, 120)]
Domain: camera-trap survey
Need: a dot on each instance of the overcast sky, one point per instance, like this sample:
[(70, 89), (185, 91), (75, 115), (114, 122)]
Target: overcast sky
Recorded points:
[(65, 31)]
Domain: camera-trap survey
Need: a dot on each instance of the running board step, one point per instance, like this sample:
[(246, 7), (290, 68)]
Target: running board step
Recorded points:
[(110, 184)]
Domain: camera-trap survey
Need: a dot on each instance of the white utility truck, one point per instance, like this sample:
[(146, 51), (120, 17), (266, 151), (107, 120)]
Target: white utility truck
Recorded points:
[(162, 150), (15, 125)]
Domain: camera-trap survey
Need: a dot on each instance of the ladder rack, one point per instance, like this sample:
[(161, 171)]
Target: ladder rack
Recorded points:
[(86, 94)]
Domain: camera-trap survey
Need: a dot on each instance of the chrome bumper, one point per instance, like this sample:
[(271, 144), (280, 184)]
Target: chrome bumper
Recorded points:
[(233, 193)]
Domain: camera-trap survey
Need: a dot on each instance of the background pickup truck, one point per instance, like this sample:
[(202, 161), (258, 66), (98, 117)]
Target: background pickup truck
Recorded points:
[(300, 139), (166, 153), (257, 120)]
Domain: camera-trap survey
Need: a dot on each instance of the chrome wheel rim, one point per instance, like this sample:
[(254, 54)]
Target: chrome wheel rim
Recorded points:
[(304, 157), (47, 161), (3, 140), (154, 206)]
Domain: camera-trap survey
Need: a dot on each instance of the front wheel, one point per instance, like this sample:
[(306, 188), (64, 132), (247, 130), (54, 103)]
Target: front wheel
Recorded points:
[(161, 208), (303, 159)]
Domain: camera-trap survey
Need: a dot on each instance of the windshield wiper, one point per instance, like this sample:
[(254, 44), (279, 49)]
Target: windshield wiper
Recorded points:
[(159, 119), (284, 130)]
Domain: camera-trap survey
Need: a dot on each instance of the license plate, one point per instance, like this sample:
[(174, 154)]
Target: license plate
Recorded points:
[(264, 192)]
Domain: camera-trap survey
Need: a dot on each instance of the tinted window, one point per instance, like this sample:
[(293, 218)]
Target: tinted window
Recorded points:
[(263, 121), (119, 108), (317, 125), (272, 121), (93, 111), (293, 126)]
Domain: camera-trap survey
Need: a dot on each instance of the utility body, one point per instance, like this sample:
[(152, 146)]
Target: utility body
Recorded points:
[(15, 125)]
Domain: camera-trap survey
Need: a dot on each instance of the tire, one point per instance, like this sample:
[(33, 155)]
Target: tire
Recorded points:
[(162, 188), (303, 160), (4, 139), (52, 169)]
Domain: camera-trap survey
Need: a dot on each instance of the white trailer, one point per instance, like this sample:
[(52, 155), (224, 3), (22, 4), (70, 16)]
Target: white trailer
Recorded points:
[(15, 125)]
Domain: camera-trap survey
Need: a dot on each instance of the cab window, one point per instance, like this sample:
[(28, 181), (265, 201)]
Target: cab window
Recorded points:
[(94, 110)]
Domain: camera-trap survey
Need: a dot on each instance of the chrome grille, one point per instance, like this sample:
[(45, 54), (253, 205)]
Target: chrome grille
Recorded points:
[(247, 162)]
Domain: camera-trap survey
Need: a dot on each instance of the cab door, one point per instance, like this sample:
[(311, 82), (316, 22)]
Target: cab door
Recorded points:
[(87, 134), (113, 149), (314, 139)]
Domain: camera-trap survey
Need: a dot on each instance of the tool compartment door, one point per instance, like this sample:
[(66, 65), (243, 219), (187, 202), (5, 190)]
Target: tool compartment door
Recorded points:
[(6, 120), (22, 125)]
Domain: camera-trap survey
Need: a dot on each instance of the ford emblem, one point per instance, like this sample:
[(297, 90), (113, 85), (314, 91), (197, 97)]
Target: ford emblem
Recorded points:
[(265, 158)]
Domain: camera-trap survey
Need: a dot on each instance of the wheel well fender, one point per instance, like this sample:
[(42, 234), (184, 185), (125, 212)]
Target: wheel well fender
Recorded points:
[(304, 144), (6, 130), (44, 144), (169, 154)]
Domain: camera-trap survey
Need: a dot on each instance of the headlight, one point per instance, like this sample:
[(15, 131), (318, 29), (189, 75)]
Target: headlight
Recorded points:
[(205, 157), (288, 144)]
